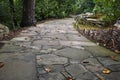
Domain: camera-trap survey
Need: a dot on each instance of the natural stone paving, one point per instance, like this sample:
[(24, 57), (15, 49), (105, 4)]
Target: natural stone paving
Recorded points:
[(54, 50)]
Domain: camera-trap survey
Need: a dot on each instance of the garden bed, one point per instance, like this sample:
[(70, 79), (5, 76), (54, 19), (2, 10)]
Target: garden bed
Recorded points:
[(107, 37)]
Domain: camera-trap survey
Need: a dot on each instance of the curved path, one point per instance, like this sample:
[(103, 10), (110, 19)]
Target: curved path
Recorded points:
[(54, 50)]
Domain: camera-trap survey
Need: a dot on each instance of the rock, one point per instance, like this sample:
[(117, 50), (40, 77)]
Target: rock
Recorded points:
[(48, 59), (89, 19), (117, 24), (3, 30)]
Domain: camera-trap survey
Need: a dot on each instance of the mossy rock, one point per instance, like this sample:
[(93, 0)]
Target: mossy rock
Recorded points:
[(83, 20), (3, 30)]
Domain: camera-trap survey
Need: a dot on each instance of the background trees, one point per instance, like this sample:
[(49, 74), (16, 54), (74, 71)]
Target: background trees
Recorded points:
[(10, 13), (109, 8), (11, 10)]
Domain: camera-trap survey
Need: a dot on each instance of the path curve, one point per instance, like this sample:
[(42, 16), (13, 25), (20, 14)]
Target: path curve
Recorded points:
[(54, 50)]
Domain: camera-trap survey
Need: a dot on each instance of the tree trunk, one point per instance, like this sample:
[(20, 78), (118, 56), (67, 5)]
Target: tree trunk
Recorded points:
[(28, 16), (12, 9)]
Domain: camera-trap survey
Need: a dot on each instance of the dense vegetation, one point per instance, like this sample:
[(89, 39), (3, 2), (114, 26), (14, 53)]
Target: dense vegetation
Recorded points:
[(110, 9)]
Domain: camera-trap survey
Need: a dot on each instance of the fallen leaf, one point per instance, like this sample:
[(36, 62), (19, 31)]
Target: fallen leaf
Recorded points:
[(69, 78), (117, 51), (47, 69), (114, 58), (106, 71), (104, 45), (98, 43), (1, 64)]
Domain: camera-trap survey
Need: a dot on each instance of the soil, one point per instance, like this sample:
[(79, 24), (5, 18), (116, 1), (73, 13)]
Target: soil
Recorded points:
[(108, 38)]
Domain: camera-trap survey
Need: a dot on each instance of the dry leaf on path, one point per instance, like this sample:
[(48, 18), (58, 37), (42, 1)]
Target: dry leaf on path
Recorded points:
[(117, 51), (114, 58), (69, 78), (106, 71), (47, 69), (1, 64)]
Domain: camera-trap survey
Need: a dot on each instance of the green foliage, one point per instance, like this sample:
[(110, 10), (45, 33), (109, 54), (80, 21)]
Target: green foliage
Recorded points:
[(55, 8), (5, 13), (109, 8), (18, 10), (85, 6)]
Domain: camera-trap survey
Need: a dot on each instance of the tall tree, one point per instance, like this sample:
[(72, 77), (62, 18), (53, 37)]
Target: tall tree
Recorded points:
[(12, 9), (28, 16)]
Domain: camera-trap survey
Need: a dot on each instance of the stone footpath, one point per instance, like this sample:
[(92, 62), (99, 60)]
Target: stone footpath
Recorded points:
[(54, 50)]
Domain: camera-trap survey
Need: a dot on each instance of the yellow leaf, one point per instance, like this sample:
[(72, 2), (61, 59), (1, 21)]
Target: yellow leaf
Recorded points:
[(106, 71), (69, 78), (48, 69)]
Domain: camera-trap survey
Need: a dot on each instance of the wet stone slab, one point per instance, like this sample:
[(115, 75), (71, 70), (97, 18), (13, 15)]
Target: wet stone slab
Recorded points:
[(47, 51), (73, 61), (21, 39), (78, 47), (76, 37), (112, 76), (72, 53), (29, 33), (92, 64), (55, 68), (18, 66), (75, 70), (114, 67), (62, 31), (106, 61), (87, 76), (73, 43), (90, 61), (99, 51), (9, 48), (21, 43), (38, 37), (54, 38), (72, 32), (95, 68), (47, 42), (48, 59), (57, 47), (52, 76)]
